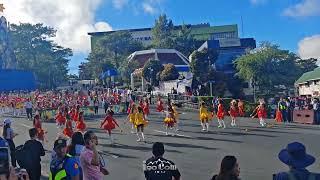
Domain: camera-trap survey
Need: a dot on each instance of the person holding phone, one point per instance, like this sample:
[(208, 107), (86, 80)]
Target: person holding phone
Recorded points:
[(89, 158)]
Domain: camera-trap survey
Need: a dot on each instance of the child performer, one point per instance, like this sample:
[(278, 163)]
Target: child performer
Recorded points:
[(60, 119), (176, 115), (160, 105), (241, 108), (169, 121), (233, 112), (204, 117), (261, 112), (140, 123), (80, 124), (220, 115), (38, 125), (131, 117), (68, 130), (109, 123), (146, 108)]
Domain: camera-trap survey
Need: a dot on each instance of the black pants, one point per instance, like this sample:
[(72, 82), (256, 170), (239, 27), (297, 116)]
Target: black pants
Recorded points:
[(96, 109), (29, 112), (35, 172), (12, 147)]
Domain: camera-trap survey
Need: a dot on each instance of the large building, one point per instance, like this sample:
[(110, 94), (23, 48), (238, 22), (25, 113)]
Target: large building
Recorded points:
[(309, 83), (202, 32), (229, 50)]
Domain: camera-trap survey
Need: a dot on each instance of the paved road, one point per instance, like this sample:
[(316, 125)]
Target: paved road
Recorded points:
[(197, 154)]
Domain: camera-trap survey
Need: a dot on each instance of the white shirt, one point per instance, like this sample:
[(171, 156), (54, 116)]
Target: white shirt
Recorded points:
[(28, 105)]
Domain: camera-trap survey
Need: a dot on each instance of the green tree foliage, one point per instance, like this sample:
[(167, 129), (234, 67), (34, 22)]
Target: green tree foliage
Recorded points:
[(269, 67), (112, 52), (151, 71), (202, 65), (184, 42), (169, 72), (162, 33), (37, 53)]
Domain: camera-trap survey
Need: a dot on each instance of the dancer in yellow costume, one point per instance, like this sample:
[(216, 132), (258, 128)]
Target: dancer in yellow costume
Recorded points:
[(176, 115), (140, 123), (170, 120), (204, 117), (131, 117)]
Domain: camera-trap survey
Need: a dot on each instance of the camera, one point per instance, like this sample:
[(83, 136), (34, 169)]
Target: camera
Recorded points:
[(5, 160)]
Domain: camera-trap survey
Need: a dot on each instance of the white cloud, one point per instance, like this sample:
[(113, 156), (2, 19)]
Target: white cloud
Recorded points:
[(119, 4), (148, 8), (72, 19), (304, 8), (309, 47)]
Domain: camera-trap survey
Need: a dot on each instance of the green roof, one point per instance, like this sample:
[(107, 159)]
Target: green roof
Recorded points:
[(311, 75)]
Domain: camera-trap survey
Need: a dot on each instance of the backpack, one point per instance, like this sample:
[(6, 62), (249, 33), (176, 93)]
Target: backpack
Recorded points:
[(23, 157)]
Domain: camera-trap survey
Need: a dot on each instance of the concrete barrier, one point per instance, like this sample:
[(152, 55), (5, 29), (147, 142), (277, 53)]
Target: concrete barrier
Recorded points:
[(303, 116)]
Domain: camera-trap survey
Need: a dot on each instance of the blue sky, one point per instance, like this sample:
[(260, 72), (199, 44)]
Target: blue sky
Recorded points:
[(292, 24)]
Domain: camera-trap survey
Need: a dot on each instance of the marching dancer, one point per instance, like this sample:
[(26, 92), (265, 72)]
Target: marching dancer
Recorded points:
[(220, 115), (261, 112), (233, 112), (109, 123), (38, 125), (131, 117), (169, 121), (176, 115), (68, 130), (241, 108), (160, 107), (80, 124), (204, 117), (146, 108), (140, 123), (60, 118)]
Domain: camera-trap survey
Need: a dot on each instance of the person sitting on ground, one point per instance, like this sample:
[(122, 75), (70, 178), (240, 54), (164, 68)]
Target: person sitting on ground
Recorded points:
[(63, 165), (295, 156), (229, 169), (36, 150), (152, 166)]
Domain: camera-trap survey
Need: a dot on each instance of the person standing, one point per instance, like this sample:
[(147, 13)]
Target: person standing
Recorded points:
[(96, 106), (35, 150), (28, 106), (282, 107), (89, 158), (63, 165), (8, 134), (295, 156), (316, 110), (159, 168)]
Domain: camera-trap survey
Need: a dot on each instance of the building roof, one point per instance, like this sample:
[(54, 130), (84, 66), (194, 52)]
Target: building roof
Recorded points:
[(165, 56), (196, 29), (308, 76)]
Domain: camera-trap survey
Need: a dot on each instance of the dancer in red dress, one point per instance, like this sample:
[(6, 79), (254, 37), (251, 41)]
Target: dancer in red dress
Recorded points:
[(233, 112), (38, 125), (261, 112), (81, 125), (146, 109), (160, 107), (60, 118), (220, 115), (241, 108), (68, 130), (109, 123)]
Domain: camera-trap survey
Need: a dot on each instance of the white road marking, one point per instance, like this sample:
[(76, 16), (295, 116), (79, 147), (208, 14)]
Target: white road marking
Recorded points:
[(109, 154), (26, 125), (181, 135)]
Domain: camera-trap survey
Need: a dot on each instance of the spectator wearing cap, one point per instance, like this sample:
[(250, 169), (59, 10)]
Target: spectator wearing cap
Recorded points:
[(8, 134), (295, 156), (89, 158), (159, 168), (63, 166)]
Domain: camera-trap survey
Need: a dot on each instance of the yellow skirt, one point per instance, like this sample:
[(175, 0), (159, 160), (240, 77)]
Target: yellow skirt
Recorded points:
[(204, 116)]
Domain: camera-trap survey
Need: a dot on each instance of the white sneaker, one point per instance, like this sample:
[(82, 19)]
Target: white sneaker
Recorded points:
[(219, 126), (203, 129), (138, 140)]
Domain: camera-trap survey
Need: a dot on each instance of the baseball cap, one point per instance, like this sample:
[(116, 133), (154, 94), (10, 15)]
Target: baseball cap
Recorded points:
[(60, 143)]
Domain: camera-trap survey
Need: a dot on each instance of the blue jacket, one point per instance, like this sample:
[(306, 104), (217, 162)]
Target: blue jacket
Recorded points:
[(300, 174)]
